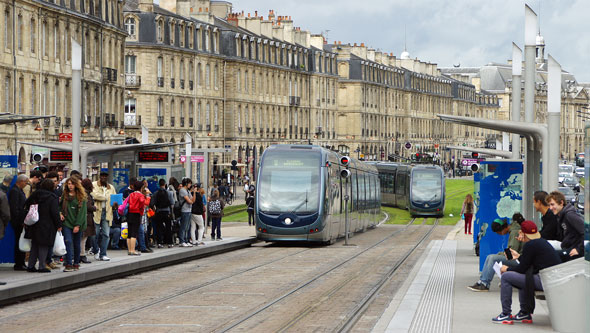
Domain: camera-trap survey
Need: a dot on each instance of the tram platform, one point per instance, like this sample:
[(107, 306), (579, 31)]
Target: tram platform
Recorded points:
[(435, 297), (24, 285)]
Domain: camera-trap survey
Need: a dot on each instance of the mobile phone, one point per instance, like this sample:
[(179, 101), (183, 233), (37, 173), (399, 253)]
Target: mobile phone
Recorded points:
[(508, 253)]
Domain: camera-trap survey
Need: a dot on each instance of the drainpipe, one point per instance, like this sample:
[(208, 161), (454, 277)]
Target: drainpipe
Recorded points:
[(516, 96), (553, 123), (102, 86)]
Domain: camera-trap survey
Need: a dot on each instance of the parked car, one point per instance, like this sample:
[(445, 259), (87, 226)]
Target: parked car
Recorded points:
[(569, 194), (580, 203), (580, 172), (572, 183), (562, 176)]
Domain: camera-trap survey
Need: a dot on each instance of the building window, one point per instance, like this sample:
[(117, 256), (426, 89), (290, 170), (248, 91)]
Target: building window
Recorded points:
[(199, 73), (172, 33), (130, 64), (21, 89), (239, 118), (33, 35), (56, 37), (172, 68), (207, 36), (7, 29), (207, 75), (7, 94), (208, 116), (238, 78), (215, 77), (199, 116), (159, 67), (33, 97), (55, 97), (160, 32), (160, 117), (44, 106), (253, 82), (130, 26), (246, 81), (216, 119), (19, 32), (44, 37), (214, 39), (181, 35)]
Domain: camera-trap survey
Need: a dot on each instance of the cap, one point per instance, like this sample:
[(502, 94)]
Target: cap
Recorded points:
[(530, 229)]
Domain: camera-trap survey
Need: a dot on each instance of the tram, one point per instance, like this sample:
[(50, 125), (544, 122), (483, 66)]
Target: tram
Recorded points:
[(300, 195), (418, 188)]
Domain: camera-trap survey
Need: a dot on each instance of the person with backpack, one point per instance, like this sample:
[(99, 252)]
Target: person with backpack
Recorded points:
[(197, 219), (215, 209), (250, 205), (186, 198), (162, 201)]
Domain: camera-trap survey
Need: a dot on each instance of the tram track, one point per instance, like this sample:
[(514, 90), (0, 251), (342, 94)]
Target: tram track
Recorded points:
[(325, 296)]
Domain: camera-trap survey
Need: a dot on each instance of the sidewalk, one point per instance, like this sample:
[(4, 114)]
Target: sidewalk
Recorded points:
[(22, 285), (435, 297)]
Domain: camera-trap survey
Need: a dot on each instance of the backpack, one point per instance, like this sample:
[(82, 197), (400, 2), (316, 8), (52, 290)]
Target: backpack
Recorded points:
[(197, 207), (161, 199), (215, 207)]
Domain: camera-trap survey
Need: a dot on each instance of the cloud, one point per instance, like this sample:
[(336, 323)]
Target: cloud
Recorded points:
[(472, 32)]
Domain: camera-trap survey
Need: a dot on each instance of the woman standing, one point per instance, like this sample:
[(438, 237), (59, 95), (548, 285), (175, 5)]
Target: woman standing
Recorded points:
[(215, 210), (204, 197), (74, 212), (138, 200), (467, 210), (90, 209), (250, 205), (43, 232)]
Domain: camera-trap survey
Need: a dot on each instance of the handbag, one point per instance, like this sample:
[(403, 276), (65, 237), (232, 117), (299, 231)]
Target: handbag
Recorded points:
[(150, 213), (59, 246), (24, 244), (124, 208), (32, 215)]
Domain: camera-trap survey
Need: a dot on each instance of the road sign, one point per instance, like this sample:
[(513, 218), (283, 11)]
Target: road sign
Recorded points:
[(65, 137), (194, 158), (468, 161), (408, 145)]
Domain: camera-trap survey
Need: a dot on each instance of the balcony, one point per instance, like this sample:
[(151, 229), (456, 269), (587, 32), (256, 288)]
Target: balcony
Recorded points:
[(191, 122), (132, 80), (240, 129), (68, 121), (208, 127), (172, 83), (46, 121), (97, 122), (181, 122), (216, 128), (109, 74), (190, 84), (86, 122), (199, 127), (57, 121), (160, 121), (160, 82), (294, 100), (172, 121), (181, 84), (247, 130)]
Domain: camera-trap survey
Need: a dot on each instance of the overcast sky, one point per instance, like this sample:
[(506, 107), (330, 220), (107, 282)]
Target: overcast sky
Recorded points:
[(446, 32)]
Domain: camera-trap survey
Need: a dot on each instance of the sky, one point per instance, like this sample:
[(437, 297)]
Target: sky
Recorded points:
[(445, 32)]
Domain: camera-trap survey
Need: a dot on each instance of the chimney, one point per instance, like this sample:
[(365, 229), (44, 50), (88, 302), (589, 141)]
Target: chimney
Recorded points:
[(146, 5), (183, 7)]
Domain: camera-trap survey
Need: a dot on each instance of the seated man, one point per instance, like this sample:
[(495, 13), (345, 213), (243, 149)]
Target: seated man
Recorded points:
[(500, 227), (537, 254), (572, 226)]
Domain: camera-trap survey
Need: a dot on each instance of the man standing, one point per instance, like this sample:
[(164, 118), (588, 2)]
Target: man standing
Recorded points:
[(162, 200), (550, 229), (186, 199), (36, 177), (4, 216), (17, 213), (537, 254), (103, 216), (5, 186), (571, 223)]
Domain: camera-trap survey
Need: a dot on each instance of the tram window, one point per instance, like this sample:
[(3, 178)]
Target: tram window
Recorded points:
[(426, 185), (400, 186)]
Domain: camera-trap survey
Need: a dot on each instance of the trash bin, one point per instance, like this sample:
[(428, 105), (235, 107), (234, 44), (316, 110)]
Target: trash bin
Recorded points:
[(566, 290)]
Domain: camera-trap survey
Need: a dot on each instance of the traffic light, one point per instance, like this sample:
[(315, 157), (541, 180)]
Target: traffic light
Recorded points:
[(474, 155), (418, 156), (345, 162)]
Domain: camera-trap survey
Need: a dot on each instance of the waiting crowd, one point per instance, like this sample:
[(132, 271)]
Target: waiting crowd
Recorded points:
[(45, 205), (530, 250)]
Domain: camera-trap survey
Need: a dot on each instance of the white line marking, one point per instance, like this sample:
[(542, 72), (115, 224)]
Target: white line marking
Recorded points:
[(160, 325), (200, 306)]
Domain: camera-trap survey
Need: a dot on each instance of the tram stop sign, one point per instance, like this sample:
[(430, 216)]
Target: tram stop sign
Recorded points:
[(408, 145), (234, 164)]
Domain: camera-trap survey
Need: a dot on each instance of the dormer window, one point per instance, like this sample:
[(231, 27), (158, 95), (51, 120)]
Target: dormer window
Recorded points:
[(160, 31), (130, 26)]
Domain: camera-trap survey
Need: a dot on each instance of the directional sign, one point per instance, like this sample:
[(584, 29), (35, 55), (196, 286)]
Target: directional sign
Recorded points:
[(408, 145), (194, 159), (468, 162), (65, 137)]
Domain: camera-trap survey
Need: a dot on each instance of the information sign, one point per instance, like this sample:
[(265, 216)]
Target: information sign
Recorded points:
[(152, 156), (60, 156)]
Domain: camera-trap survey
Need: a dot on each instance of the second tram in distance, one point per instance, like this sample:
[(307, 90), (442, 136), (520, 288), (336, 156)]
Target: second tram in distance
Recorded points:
[(418, 188), (300, 195)]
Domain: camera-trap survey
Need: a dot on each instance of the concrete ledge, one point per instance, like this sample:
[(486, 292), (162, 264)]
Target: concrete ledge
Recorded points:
[(45, 284)]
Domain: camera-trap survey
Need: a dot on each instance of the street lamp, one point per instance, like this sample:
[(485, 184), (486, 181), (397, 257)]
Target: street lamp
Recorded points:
[(38, 128)]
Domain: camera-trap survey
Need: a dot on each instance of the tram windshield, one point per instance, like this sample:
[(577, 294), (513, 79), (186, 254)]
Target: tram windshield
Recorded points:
[(289, 182), (426, 185)]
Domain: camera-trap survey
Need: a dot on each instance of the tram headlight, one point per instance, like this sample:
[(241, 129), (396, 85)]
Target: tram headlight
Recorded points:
[(475, 167), (344, 173), (288, 221)]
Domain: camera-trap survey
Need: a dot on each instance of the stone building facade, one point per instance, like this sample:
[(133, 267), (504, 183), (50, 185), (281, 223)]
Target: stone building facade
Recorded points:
[(35, 69)]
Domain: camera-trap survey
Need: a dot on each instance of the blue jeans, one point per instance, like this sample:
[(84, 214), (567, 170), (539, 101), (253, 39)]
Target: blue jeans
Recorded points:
[(515, 279), (141, 238), (185, 224), (115, 235), (72, 241), (215, 227), (487, 274), (102, 237)]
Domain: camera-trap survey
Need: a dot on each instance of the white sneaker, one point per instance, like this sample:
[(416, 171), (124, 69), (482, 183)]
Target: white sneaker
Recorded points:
[(97, 256), (184, 245), (105, 258), (189, 244)]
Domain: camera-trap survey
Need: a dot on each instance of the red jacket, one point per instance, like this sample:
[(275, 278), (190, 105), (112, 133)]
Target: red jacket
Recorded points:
[(137, 202)]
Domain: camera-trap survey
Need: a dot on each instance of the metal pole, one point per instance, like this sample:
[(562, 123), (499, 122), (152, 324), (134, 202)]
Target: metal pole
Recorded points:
[(188, 152), (516, 96), (346, 220), (553, 119), (84, 164), (530, 31), (76, 105)]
